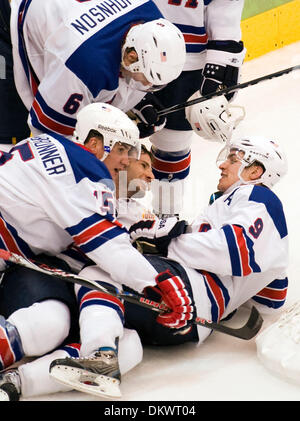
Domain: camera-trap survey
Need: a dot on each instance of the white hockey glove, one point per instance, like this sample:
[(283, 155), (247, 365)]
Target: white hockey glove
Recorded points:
[(213, 119), (223, 62), (158, 232)]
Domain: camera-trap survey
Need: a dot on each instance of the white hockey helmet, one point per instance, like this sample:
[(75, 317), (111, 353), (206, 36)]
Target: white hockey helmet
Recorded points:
[(161, 51), (112, 123), (258, 149), (213, 119)]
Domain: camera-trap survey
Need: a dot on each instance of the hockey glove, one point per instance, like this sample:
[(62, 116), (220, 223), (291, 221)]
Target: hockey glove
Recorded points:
[(146, 112), (159, 232), (223, 62), (174, 294)]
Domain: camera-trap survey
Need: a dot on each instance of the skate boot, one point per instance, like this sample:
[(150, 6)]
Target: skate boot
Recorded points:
[(10, 385), (97, 374)]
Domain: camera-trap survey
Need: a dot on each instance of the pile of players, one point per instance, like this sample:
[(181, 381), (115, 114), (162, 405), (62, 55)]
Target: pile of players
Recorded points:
[(72, 194)]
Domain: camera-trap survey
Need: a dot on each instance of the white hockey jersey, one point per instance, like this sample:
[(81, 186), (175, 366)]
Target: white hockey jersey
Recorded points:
[(203, 20), (238, 248), (67, 54), (54, 193)]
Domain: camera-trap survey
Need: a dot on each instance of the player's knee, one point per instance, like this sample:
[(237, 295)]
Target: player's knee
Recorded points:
[(42, 326)]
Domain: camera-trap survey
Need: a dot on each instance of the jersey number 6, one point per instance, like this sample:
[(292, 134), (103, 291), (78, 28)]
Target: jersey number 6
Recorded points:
[(73, 103)]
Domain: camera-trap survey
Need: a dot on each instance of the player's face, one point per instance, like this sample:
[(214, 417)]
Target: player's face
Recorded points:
[(230, 171), (139, 77), (117, 160), (139, 175)]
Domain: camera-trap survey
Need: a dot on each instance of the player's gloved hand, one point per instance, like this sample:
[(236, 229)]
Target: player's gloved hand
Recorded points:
[(146, 111), (174, 294), (222, 68), (159, 232)]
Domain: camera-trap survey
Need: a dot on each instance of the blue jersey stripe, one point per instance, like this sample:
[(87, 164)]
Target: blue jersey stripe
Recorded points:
[(190, 29), (233, 251), (268, 302), (105, 303), (21, 244), (279, 283), (252, 263), (102, 239), (54, 115), (215, 307), (88, 222), (84, 224), (23, 9), (71, 350)]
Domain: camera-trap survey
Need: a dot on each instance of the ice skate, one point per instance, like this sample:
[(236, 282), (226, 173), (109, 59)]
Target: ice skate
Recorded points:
[(97, 374), (10, 385)]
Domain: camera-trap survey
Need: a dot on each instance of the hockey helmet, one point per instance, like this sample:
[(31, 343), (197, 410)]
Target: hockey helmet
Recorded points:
[(113, 124), (161, 51), (262, 150), (213, 119)]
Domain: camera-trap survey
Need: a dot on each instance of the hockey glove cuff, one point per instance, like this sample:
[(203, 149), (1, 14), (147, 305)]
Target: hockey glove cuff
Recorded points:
[(222, 68)]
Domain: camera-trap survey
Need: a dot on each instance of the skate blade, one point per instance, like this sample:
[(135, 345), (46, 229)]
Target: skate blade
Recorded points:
[(87, 382)]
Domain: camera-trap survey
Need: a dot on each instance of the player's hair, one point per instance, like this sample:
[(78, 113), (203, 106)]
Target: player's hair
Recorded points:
[(146, 151), (93, 133)]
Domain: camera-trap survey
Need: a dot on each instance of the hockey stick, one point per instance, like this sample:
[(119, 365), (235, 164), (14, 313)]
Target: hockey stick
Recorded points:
[(225, 91), (246, 332)]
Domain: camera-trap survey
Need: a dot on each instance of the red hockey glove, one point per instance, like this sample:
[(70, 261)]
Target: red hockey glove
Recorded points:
[(175, 295)]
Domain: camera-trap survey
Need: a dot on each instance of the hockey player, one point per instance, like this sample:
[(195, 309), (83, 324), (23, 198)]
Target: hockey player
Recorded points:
[(13, 112), (225, 258), (68, 55), (32, 378), (83, 213), (215, 54)]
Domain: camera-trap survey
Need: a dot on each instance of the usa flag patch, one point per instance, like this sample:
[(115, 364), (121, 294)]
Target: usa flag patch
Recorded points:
[(163, 56)]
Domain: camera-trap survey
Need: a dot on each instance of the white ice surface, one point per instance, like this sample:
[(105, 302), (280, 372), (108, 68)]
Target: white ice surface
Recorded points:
[(225, 368)]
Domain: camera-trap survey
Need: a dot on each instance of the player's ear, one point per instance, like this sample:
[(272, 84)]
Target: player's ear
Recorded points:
[(95, 145), (130, 56), (255, 172)]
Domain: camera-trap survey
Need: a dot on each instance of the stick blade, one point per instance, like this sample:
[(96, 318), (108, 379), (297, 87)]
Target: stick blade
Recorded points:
[(253, 325)]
